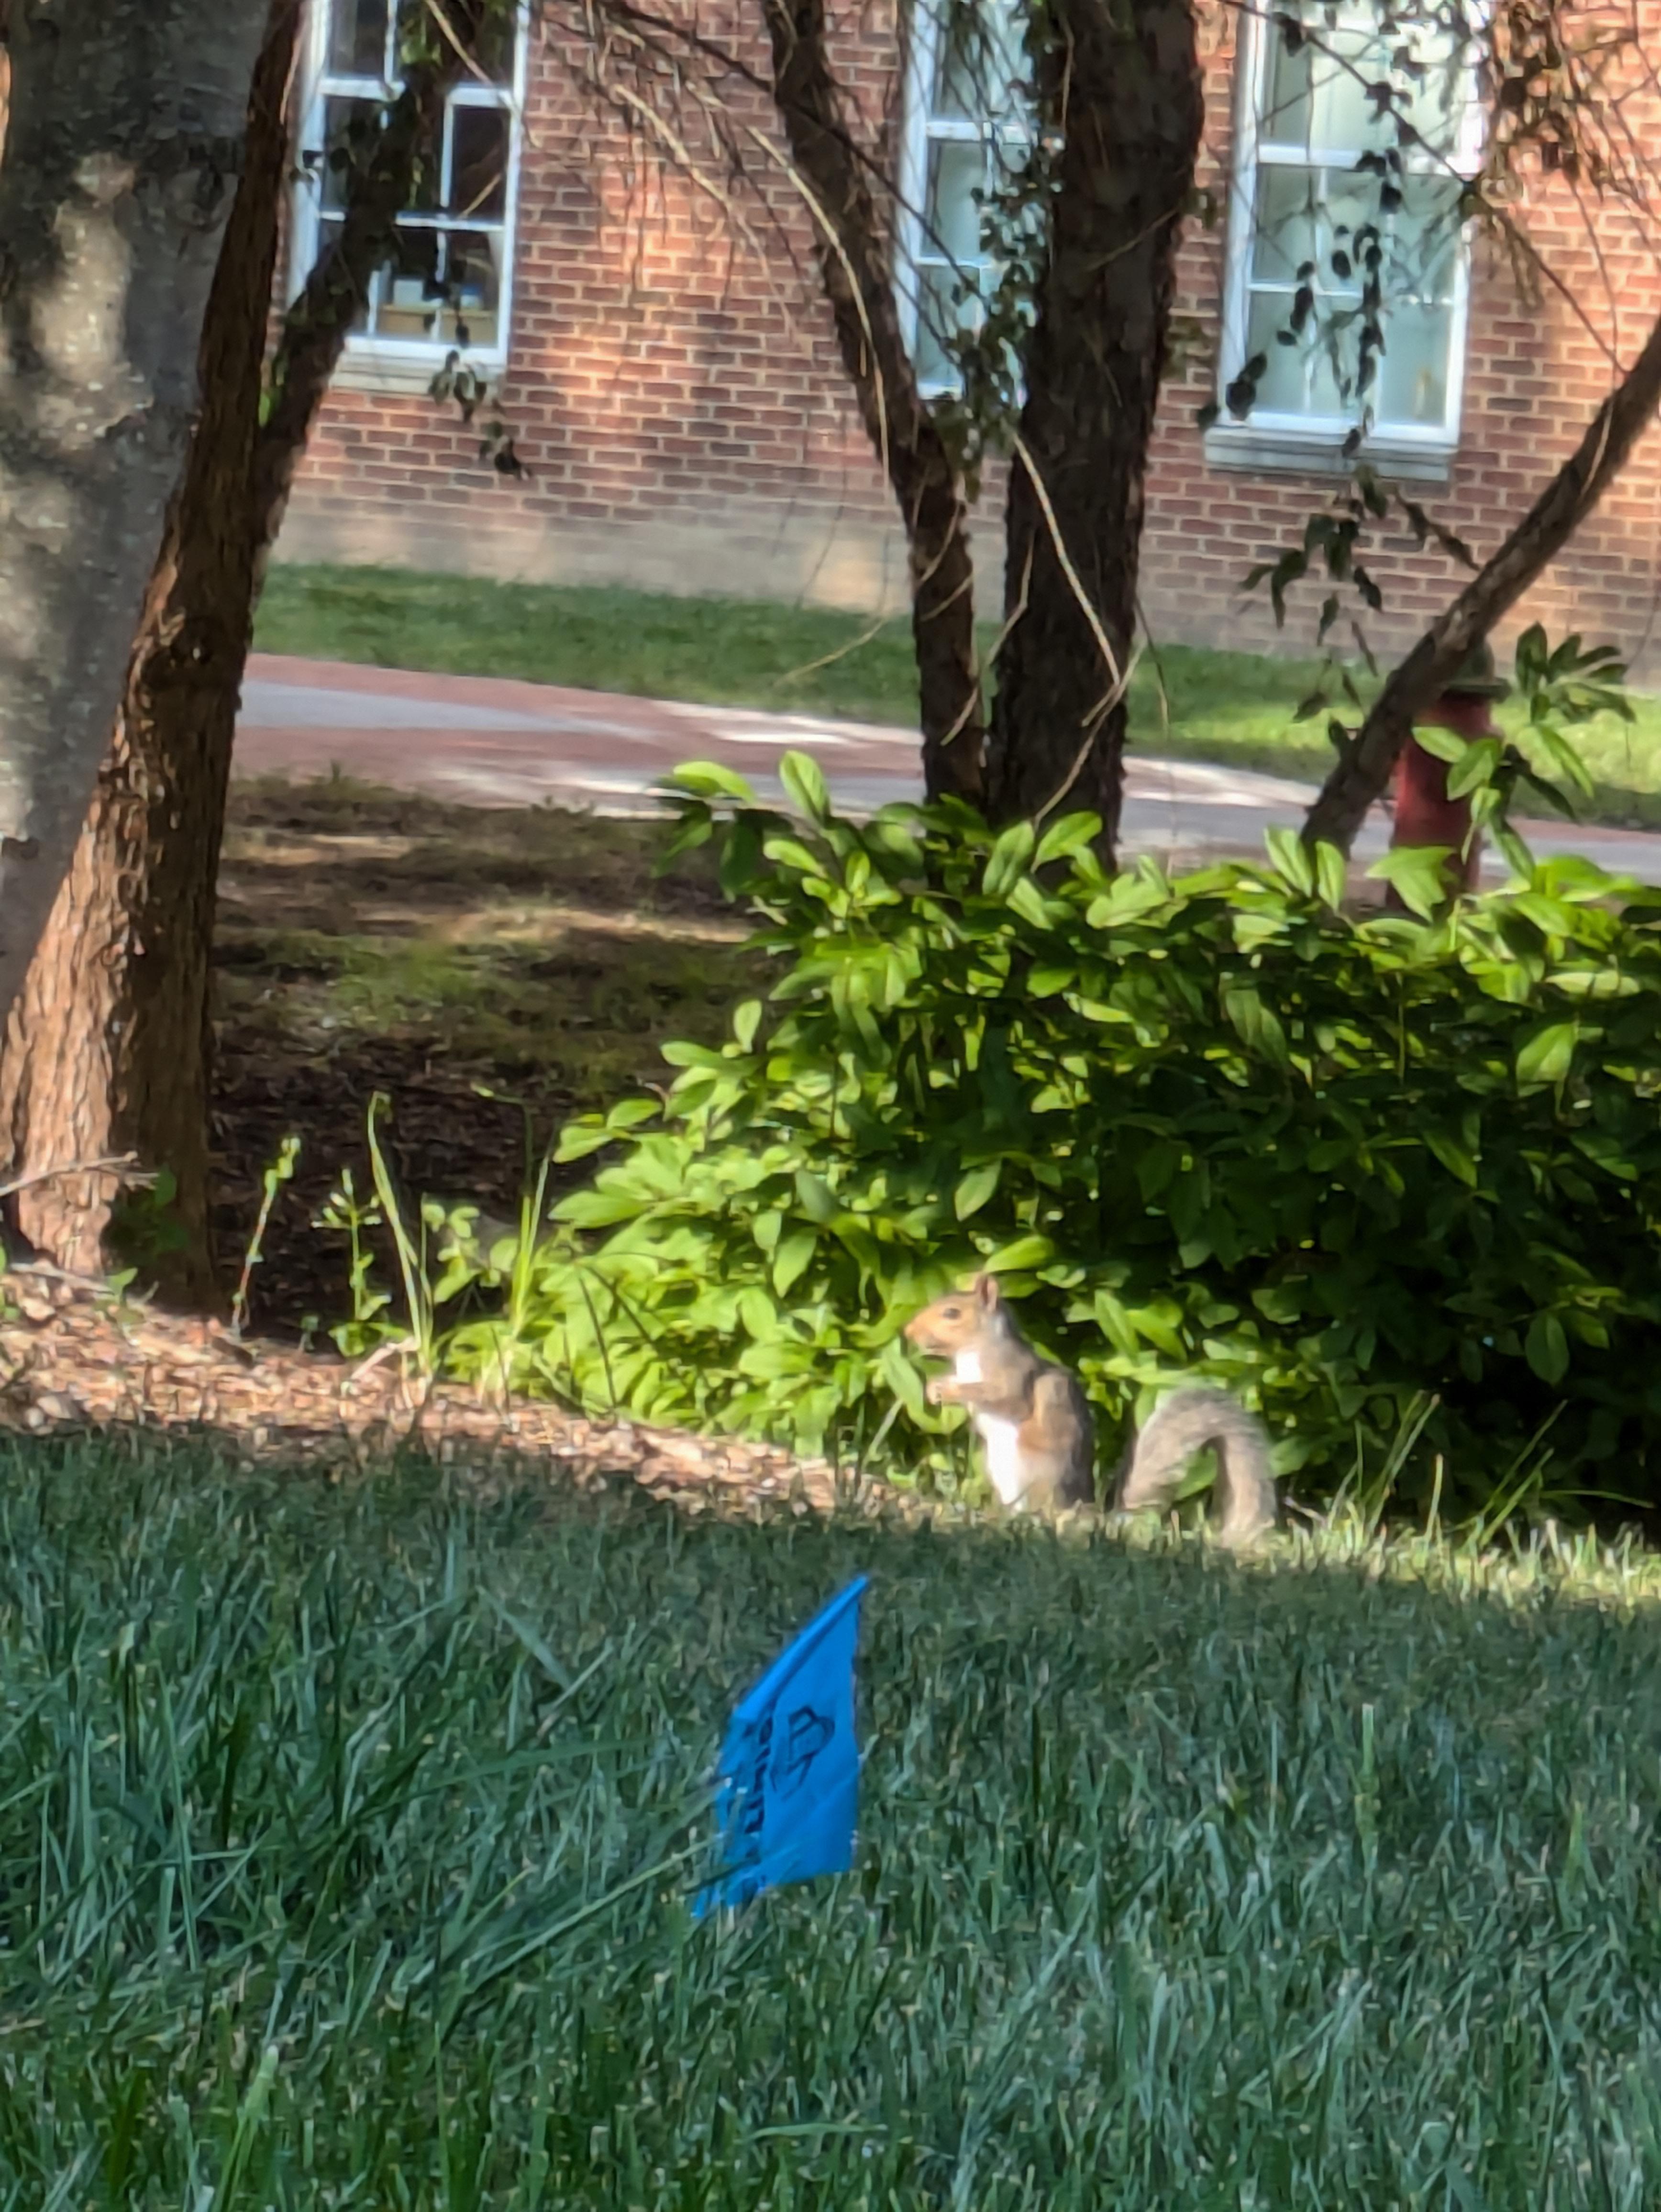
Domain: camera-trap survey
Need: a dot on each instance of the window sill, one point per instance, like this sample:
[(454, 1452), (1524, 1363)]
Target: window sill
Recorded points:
[(368, 368), (1319, 454)]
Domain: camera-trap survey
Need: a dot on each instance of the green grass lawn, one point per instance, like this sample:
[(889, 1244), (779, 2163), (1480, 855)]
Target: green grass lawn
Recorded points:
[(1195, 705), (346, 1830)]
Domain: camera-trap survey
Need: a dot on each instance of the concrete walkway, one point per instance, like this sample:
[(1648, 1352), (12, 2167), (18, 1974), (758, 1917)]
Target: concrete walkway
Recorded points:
[(490, 741)]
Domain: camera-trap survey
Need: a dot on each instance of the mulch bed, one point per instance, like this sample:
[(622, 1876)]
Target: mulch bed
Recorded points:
[(77, 1360)]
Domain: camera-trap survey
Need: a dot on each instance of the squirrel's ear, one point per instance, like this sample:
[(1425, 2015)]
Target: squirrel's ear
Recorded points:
[(986, 1291)]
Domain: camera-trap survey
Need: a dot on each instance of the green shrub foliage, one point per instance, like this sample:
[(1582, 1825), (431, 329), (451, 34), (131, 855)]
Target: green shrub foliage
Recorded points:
[(1381, 1176)]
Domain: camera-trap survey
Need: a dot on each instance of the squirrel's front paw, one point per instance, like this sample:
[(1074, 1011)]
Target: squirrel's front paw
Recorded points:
[(935, 1390)]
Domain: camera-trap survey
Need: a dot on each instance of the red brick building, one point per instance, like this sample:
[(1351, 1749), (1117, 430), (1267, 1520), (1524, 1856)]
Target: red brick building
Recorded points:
[(676, 393)]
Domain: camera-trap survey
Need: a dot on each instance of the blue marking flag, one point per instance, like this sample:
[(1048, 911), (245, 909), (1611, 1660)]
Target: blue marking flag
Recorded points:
[(790, 1767)]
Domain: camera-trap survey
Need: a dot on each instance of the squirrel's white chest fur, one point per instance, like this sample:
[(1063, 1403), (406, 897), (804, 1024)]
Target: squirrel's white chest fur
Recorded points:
[(1000, 1440)]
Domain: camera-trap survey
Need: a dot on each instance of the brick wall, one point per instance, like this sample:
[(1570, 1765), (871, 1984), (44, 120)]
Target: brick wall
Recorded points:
[(682, 409), (677, 388)]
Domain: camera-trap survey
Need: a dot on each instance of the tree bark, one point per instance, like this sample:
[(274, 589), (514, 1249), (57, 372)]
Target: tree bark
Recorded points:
[(925, 482), (109, 1051), (123, 138), (1126, 95), (1362, 775), (106, 1047)]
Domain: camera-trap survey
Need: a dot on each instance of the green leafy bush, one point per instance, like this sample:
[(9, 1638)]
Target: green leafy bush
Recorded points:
[(1374, 1175)]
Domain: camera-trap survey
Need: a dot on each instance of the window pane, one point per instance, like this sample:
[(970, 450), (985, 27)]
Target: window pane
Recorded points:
[(1284, 231), (1425, 241), (488, 44), (327, 232), (357, 37), (1411, 383), (1281, 387), (439, 285), (1300, 379), (1340, 114), (980, 61), (1344, 113), (479, 159), (1310, 214), (938, 315), (470, 270), (478, 162), (346, 124), (427, 192), (956, 173), (1285, 118), (1317, 98), (406, 289), (427, 178), (1349, 203), (1436, 105), (1413, 373)]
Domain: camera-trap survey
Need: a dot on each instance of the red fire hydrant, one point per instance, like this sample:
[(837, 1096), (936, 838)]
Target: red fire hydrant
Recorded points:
[(1425, 815)]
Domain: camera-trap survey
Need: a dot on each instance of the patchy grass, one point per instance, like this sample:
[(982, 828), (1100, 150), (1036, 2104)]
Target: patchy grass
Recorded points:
[(347, 1831), (526, 942), (1233, 707), (491, 970)]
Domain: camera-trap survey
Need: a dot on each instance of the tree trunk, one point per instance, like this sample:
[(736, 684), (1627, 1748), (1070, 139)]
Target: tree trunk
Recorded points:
[(1362, 775), (123, 137), (925, 482), (1126, 95), (106, 1047), (109, 1053)]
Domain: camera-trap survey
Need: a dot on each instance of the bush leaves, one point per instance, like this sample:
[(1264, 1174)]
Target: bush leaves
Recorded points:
[(1349, 1168)]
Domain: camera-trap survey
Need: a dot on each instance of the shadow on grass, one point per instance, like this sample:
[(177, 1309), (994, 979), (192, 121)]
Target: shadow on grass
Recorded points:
[(1180, 1883), (369, 940)]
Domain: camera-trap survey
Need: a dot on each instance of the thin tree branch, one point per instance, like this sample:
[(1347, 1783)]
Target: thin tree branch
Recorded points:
[(1064, 559), (123, 1167)]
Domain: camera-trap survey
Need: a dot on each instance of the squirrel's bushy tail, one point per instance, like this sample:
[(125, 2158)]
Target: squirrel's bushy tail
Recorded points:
[(1188, 1422)]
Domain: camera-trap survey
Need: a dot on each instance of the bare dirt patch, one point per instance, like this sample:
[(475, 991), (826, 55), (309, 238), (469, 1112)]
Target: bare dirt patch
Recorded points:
[(492, 970)]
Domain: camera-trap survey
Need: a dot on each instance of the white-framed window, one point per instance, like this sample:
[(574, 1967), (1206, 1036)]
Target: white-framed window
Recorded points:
[(448, 280), (965, 120), (1307, 204)]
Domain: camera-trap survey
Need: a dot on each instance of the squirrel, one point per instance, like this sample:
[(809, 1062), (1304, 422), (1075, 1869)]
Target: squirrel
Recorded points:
[(1036, 1430)]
